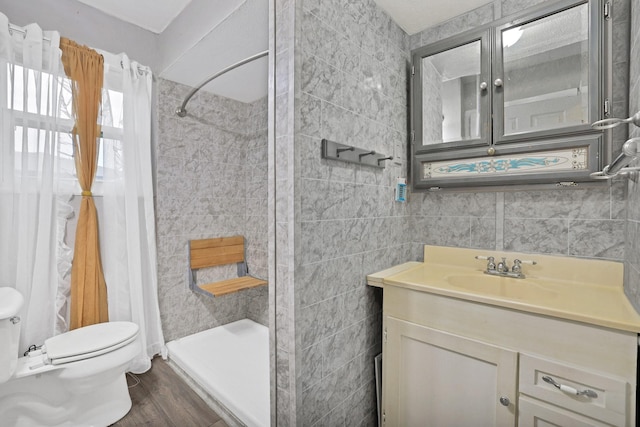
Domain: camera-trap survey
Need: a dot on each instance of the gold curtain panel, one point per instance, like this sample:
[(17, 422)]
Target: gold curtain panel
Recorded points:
[(85, 68)]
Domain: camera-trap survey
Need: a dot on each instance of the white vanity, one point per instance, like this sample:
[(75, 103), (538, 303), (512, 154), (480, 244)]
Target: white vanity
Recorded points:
[(465, 348)]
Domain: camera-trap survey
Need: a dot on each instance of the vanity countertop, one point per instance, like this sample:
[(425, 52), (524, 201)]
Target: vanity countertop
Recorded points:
[(583, 290)]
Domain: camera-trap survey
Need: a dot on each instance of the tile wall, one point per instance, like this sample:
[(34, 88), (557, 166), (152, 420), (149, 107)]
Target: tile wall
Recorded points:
[(210, 182), (281, 198), (632, 249), (342, 69)]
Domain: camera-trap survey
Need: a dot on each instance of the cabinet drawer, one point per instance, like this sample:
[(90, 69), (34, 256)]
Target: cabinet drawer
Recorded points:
[(533, 413), (609, 399)]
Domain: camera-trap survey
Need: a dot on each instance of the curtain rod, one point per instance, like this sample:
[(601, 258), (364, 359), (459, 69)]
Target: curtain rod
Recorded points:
[(181, 111), (15, 28)]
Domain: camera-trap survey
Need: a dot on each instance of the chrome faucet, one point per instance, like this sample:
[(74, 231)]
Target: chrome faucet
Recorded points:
[(502, 268)]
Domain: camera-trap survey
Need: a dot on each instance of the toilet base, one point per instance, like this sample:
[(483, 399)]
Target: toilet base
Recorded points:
[(56, 407)]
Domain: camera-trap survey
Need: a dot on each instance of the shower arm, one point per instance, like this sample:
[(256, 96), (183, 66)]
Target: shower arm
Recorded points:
[(181, 111)]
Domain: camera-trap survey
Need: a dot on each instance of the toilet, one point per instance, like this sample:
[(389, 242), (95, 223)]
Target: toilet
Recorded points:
[(76, 379)]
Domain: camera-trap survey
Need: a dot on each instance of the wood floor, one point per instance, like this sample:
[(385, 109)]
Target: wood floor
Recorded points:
[(162, 399)]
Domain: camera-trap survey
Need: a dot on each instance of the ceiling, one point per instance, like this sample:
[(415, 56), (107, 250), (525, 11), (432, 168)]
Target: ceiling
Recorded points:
[(151, 15), (199, 38), (414, 16)]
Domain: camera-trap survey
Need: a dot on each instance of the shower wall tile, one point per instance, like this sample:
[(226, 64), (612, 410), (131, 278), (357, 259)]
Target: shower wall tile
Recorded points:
[(221, 141), (258, 303)]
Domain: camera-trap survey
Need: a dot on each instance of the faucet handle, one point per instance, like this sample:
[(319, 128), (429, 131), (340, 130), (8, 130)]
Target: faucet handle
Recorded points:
[(491, 265), (517, 265)]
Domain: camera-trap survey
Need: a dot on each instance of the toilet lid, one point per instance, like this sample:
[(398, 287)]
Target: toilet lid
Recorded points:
[(89, 341)]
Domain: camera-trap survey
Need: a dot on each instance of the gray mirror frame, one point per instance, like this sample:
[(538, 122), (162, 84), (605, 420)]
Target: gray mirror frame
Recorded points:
[(599, 142)]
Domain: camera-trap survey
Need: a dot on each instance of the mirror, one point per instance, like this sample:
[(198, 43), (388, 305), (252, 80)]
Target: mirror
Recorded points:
[(546, 72), (451, 95)]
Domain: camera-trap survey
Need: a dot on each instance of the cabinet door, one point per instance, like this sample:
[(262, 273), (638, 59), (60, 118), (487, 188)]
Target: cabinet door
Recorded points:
[(451, 100), (546, 79), (432, 378)]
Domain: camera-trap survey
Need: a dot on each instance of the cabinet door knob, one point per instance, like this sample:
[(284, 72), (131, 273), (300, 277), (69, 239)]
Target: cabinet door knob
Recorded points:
[(497, 83), (504, 401), (483, 86)]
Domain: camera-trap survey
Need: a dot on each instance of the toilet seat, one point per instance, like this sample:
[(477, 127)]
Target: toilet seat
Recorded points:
[(89, 341)]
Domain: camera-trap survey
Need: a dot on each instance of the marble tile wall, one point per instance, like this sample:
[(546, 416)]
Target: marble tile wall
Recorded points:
[(587, 222), (256, 209), (343, 77), (281, 196), (210, 181), (632, 248)]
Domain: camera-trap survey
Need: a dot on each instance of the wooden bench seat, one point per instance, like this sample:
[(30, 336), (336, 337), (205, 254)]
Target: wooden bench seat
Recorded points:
[(232, 285), (215, 252)]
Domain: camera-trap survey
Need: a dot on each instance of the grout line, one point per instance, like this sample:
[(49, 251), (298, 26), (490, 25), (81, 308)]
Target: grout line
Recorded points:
[(500, 221)]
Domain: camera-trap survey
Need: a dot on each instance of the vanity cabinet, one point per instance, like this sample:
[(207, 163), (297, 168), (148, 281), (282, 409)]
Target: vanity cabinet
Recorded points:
[(449, 361), (512, 102), (439, 379)]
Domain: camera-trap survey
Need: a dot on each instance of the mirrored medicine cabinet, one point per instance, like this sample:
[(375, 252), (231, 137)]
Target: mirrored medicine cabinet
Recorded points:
[(512, 102)]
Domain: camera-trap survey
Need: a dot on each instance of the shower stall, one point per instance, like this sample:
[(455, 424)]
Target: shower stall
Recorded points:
[(211, 182)]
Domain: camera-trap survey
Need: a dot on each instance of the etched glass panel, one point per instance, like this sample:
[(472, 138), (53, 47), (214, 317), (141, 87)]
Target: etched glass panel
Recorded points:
[(564, 160)]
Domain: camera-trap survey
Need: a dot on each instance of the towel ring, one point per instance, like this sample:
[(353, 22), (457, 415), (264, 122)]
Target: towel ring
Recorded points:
[(613, 122)]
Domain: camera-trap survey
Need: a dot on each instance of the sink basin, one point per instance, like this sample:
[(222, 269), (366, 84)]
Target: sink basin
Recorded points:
[(500, 286)]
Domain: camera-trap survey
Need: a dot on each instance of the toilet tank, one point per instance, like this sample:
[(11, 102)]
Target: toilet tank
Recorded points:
[(10, 304)]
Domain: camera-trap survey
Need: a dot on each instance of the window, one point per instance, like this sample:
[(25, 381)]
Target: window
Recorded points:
[(30, 113)]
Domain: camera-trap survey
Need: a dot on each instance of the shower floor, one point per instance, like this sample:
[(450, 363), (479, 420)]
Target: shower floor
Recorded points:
[(231, 363)]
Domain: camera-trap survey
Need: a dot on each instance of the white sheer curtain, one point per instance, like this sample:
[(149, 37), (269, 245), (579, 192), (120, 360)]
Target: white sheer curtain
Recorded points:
[(127, 226), (36, 178)]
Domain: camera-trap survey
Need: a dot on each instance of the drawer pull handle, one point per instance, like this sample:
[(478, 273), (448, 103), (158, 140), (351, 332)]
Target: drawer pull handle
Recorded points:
[(569, 389)]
